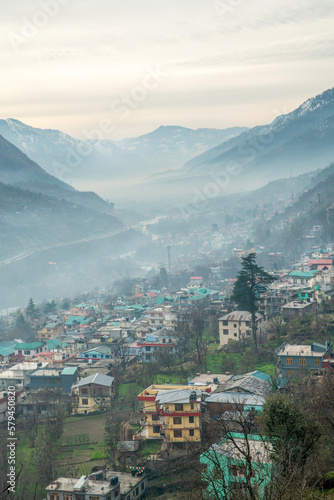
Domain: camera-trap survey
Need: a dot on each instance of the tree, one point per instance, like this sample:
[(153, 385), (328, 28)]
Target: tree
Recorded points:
[(251, 282), (31, 310), (294, 436), (50, 307)]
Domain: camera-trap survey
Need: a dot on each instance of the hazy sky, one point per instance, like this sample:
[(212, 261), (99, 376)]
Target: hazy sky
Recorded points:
[(68, 64)]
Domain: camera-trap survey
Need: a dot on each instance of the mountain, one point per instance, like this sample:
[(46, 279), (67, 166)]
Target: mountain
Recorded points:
[(54, 239), (19, 170), (299, 142), (172, 146), (79, 161)]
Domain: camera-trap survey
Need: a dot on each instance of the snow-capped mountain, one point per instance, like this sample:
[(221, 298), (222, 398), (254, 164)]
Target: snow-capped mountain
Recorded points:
[(72, 159), (300, 141)]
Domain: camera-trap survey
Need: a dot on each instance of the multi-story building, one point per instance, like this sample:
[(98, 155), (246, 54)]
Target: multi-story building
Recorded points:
[(293, 360), (299, 308), (53, 378), (93, 393), (172, 413), (29, 349), (153, 344), (162, 317), (50, 331), (237, 326), (227, 468), (99, 485)]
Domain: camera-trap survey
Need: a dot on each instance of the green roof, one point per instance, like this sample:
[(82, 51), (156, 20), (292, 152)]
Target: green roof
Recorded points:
[(6, 351), (75, 319), (301, 274), (69, 370), (31, 346), (55, 343)]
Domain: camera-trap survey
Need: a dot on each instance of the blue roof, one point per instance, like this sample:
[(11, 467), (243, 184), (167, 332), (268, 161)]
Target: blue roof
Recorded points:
[(262, 376)]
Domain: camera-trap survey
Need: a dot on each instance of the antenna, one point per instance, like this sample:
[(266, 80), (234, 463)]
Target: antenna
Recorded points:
[(169, 252)]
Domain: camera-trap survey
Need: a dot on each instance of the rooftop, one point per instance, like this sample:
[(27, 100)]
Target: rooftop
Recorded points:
[(96, 378), (240, 316), (73, 484)]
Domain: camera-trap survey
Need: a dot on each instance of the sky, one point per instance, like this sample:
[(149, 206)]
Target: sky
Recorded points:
[(114, 69)]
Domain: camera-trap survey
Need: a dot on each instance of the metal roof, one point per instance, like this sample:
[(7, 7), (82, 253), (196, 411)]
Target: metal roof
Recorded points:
[(236, 397), (69, 370), (239, 316), (97, 378), (176, 396)]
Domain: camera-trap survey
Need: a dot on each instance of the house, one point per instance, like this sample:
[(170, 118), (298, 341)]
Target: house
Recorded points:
[(152, 345), (69, 488), (105, 351), (293, 360), (299, 308), (301, 277), (4, 402), (160, 317), (80, 310), (50, 331), (100, 485), (256, 383), (171, 413), (53, 378), (7, 351), (93, 393), (237, 326), (320, 264), (29, 349), (220, 402), (17, 374), (227, 468)]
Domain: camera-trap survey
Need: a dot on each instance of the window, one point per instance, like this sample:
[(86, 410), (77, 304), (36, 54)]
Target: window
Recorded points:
[(147, 348), (67, 496), (191, 420), (191, 432), (142, 486), (302, 361), (289, 361), (26, 352), (58, 381), (84, 391), (155, 416), (178, 407), (225, 322), (94, 356), (235, 325), (116, 493), (225, 332), (54, 496), (177, 420), (156, 429), (316, 361), (137, 491), (191, 406), (86, 355), (178, 433), (235, 334), (84, 401)]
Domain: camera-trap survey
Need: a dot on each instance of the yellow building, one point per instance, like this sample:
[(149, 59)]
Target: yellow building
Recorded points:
[(50, 331), (237, 326), (172, 412)]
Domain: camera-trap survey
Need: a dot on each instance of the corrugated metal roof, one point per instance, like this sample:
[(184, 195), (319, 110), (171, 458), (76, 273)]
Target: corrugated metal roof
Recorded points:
[(240, 316), (176, 396), (69, 370), (97, 378), (236, 397)]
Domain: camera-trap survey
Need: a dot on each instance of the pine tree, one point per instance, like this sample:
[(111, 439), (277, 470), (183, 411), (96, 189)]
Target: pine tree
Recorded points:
[(251, 282), (31, 310)]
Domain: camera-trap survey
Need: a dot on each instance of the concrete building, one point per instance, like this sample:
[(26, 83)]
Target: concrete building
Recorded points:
[(172, 413), (52, 378), (293, 360), (227, 467), (237, 326), (93, 393), (299, 308)]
